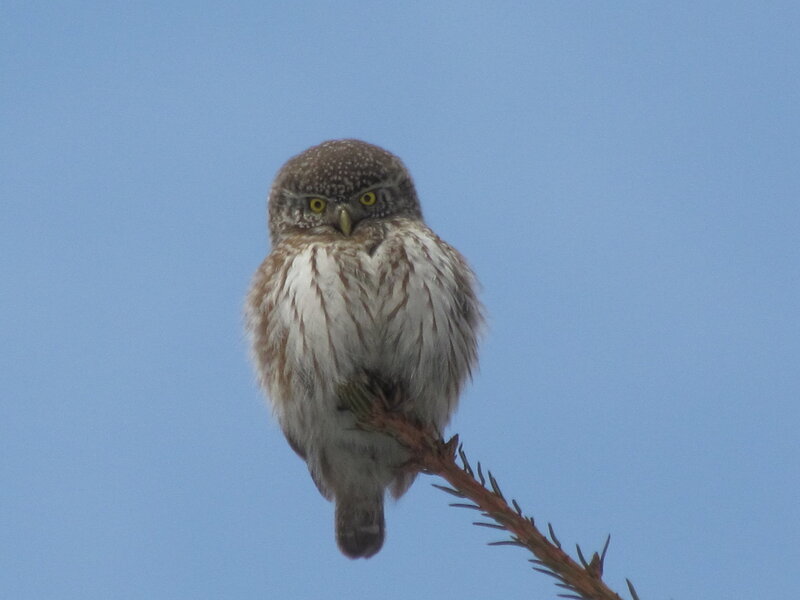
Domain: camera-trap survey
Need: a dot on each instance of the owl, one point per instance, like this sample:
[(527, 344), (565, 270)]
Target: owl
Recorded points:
[(357, 296)]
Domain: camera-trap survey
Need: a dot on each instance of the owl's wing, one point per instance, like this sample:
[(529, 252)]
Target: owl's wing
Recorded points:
[(295, 445)]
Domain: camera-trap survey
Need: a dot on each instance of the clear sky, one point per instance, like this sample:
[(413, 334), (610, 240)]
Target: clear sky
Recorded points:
[(624, 179)]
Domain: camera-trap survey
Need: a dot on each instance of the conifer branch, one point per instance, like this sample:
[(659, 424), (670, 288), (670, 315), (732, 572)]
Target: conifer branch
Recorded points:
[(432, 455)]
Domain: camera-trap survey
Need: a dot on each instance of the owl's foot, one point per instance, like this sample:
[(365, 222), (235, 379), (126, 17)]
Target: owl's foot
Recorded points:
[(365, 393), (392, 399), (356, 396)]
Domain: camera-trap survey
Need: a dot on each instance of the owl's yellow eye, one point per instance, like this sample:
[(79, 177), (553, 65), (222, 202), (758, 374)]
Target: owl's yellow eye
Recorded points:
[(317, 205), (368, 198)]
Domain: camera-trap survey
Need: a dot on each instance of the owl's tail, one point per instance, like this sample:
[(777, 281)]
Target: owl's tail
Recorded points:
[(359, 524)]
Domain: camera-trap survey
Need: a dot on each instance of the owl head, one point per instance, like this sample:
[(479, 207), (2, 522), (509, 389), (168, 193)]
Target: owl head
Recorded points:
[(338, 187)]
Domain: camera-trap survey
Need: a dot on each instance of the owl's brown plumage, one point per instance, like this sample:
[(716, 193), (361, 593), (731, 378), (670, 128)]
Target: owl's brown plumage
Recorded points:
[(358, 295)]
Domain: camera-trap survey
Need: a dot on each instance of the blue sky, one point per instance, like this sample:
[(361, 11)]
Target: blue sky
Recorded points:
[(623, 177)]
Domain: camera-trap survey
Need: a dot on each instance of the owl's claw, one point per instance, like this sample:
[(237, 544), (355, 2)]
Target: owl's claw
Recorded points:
[(389, 402), (363, 395)]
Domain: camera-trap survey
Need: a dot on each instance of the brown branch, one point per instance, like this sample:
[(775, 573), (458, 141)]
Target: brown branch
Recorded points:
[(430, 454)]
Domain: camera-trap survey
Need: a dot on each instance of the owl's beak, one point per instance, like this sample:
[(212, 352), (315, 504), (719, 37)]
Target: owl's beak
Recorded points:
[(345, 221)]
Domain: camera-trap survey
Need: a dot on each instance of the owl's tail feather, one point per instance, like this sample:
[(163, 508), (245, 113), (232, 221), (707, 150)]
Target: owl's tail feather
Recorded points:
[(359, 524)]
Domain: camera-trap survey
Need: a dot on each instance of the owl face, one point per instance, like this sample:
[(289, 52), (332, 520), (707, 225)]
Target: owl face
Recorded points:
[(339, 187)]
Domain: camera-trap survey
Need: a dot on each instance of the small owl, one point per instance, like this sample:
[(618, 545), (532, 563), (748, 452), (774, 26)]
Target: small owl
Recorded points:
[(357, 296)]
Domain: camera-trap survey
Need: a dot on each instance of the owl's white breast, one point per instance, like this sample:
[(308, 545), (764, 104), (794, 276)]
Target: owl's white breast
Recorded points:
[(394, 312), (404, 310), (327, 312)]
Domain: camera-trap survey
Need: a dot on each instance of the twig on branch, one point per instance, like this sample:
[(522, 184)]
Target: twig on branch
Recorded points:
[(432, 455)]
